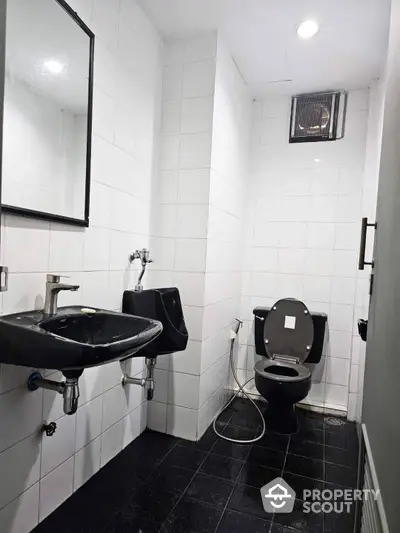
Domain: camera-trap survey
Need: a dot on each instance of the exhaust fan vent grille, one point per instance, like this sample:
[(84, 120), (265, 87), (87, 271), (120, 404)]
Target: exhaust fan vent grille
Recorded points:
[(317, 117)]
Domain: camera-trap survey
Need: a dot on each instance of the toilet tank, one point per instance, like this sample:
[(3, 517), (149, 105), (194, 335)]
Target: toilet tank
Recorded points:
[(319, 321)]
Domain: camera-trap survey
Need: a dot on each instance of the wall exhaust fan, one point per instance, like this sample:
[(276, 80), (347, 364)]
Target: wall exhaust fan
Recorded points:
[(318, 117)]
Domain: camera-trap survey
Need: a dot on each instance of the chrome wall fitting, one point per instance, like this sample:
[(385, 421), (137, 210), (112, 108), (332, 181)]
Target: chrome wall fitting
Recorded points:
[(147, 382), (69, 390), (144, 256)]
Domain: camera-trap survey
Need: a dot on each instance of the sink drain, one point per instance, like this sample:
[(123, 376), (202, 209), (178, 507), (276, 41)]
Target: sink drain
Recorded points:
[(332, 421)]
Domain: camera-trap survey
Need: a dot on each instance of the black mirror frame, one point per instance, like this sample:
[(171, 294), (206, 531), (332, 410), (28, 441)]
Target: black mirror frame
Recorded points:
[(42, 215)]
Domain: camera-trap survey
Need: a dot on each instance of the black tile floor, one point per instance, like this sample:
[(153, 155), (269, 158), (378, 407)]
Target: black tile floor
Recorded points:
[(161, 484)]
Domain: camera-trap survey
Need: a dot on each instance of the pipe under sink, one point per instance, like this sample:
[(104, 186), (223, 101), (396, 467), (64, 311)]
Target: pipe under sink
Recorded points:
[(69, 389)]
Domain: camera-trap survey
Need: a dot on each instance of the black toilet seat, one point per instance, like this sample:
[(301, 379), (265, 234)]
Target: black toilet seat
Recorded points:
[(289, 331), (302, 372), (281, 376)]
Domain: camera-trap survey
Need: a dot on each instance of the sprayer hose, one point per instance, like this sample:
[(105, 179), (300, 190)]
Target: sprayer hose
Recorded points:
[(240, 390)]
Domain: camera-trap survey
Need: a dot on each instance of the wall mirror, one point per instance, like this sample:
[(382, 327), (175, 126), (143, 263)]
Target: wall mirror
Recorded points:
[(48, 97)]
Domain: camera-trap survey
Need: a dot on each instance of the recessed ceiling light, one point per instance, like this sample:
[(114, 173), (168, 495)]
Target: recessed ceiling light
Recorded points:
[(307, 29), (317, 160), (53, 66)]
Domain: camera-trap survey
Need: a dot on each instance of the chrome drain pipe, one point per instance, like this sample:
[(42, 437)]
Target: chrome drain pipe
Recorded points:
[(127, 380), (69, 390), (147, 382), (71, 396)]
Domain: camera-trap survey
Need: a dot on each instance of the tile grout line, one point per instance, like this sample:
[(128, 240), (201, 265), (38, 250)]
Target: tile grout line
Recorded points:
[(323, 451), (191, 479), (304, 456), (324, 468), (224, 479), (286, 454), (234, 484), (157, 464), (283, 469), (228, 456)]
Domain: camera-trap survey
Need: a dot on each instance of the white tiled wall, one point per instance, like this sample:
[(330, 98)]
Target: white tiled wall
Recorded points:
[(181, 221), (206, 118), (369, 201), (296, 235), (301, 229), (304, 211), (229, 158), (39, 473)]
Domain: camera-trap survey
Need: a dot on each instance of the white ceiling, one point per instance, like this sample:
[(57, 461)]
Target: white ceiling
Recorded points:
[(348, 52)]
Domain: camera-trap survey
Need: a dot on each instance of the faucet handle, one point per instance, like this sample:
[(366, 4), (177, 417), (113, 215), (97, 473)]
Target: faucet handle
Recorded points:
[(54, 278)]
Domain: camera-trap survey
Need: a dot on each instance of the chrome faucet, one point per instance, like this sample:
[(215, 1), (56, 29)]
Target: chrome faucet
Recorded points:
[(53, 287)]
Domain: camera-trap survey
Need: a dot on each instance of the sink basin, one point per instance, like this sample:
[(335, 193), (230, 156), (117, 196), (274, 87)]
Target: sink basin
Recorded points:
[(74, 338)]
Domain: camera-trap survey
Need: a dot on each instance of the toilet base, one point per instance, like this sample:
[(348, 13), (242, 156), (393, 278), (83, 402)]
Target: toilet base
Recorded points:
[(281, 418)]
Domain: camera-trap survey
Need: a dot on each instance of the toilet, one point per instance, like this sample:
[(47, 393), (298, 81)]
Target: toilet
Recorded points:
[(286, 336)]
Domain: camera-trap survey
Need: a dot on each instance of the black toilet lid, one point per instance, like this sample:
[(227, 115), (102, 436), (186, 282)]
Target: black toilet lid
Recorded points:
[(289, 330)]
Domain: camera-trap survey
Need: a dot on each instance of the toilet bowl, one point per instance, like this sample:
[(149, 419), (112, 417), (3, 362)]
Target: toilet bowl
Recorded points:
[(287, 335)]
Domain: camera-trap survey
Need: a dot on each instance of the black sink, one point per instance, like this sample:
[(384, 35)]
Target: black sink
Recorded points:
[(74, 338)]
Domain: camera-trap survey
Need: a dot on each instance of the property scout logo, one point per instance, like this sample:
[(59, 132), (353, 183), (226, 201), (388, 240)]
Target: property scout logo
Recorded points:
[(278, 497)]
